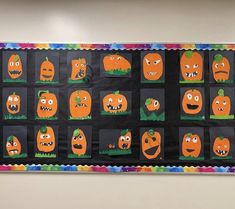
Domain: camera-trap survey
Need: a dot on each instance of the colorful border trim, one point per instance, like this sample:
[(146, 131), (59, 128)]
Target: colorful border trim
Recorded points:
[(119, 46), (118, 169)]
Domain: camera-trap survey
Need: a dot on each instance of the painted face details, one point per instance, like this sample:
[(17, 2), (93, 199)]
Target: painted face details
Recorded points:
[(79, 69), (47, 70), (13, 146), (220, 68), (15, 68), (191, 145), (13, 103), (124, 141)]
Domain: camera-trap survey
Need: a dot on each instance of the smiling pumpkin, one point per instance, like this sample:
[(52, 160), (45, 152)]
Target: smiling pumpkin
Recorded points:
[(47, 70)]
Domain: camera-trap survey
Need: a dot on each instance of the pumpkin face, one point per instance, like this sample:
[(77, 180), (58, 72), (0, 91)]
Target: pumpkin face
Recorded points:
[(191, 65), (152, 66), (124, 141), (79, 142), (80, 104), (116, 62), (79, 69), (221, 146), (47, 104), (191, 145), (46, 139), (115, 102), (47, 70), (192, 102), (151, 144), (152, 104), (13, 146), (13, 103), (15, 68), (220, 68), (221, 104)]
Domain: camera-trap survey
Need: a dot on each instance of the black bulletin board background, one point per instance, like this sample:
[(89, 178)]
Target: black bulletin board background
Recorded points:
[(170, 125)]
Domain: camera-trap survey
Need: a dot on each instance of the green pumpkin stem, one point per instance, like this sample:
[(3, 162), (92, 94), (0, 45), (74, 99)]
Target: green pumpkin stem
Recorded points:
[(40, 92), (151, 132), (221, 92), (10, 138), (189, 54), (16, 58), (124, 132), (218, 58), (189, 134), (47, 59), (116, 92), (221, 137), (148, 101), (43, 129), (76, 132)]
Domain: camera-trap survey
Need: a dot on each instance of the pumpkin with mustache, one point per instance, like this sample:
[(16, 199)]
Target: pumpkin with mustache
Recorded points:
[(79, 142), (13, 146), (79, 69), (13, 103), (124, 141), (15, 68)]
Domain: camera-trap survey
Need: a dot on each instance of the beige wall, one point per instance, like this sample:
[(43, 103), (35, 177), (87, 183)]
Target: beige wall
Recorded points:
[(120, 21)]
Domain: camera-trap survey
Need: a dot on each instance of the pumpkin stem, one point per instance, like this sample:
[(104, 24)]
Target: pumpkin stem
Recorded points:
[(116, 92), (189, 134), (221, 92), (148, 101), (221, 137), (151, 132), (47, 59), (43, 129), (10, 138), (13, 93), (124, 132), (76, 132), (16, 58), (40, 92), (218, 58), (189, 54)]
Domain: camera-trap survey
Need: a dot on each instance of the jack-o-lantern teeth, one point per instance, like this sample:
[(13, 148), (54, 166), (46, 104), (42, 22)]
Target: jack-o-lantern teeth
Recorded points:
[(13, 146), (14, 66), (116, 62), (46, 139), (13, 103), (221, 146), (124, 141), (79, 142)]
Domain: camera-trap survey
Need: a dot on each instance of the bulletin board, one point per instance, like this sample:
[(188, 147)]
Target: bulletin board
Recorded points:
[(117, 107)]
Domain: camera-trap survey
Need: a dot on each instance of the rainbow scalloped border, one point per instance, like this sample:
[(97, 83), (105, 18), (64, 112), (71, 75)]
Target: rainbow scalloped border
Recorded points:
[(117, 169)]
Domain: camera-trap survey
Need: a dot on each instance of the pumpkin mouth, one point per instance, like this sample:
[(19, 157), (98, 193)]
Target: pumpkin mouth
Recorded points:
[(80, 105), (14, 151), (151, 73), (192, 107), (152, 150), (15, 72), (221, 152), (46, 144), (44, 108), (221, 109), (191, 75), (221, 71), (190, 150), (80, 74), (124, 145), (47, 76), (111, 107), (77, 146), (13, 107)]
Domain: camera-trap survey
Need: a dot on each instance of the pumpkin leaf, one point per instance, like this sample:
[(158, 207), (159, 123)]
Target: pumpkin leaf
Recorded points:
[(189, 54), (221, 92), (148, 101), (151, 132), (124, 132), (10, 138), (76, 132), (40, 92), (116, 92), (218, 58), (43, 129), (16, 58)]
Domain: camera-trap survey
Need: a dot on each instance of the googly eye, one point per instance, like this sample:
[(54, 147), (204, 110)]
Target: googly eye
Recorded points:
[(119, 100), (189, 96), (80, 137), (222, 64), (147, 61), (119, 58), (194, 140), (187, 139), (76, 65), (15, 144), (82, 65), (42, 136), (75, 138), (17, 64), (195, 66), (11, 64), (216, 65), (85, 98), (48, 136), (196, 98), (156, 103), (10, 99), (156, 62), (111, 58), (128, 138), (217, 102), (146, 141), (16, 99), (8, 144), (43, 101), (224, 102), (50, 101), (186, 66), (123, 138), (110, 100)]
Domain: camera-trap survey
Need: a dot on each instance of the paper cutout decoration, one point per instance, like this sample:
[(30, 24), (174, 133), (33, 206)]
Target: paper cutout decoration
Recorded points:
[(221, 65), (115, 102), (191, 67), (14, 66), (152, 104), (115, 65), (221, 100), (192, 104), (79, 67), (80, 103), (152, 140), (221, 142), (152, 67), (46, 141), (15, 141), (47, 67), (79, 141), (14, 103), (47, 104), (191, 141), (115, 142)]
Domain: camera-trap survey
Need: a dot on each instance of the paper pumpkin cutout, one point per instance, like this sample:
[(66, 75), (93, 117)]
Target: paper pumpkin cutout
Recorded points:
[(47, 70), (152, 104), (47, 105), (13, 103), (115, 142), (221, 146), (79, 69), (151, 144), (13, 146), (79, 142), (45, 142), (191, 67), (220, 68), (221, 106), (14, 66), (80, 103)]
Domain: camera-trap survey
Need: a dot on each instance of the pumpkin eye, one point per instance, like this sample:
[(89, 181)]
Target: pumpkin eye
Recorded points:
[(11, 64), (17, 63), (186, 66), (189, 96), (128, 138), (82, 65), (146, 141), (188, 139), (16, 99), (194, 140), (195, 66), (196, 98), (225, 146), (43, 101), (119, 58), (50, 101), (222, 64), (85, 98), (8, 144), (76, 65), (80, 137), (156, 62), (224, 103), (111, 58), (217, 102), (10, 98), (15, 144), (110, 100), (147, 61), (154, 139), (122, 138), (120, 100), (216, 65), (156, 103), (47, 136)]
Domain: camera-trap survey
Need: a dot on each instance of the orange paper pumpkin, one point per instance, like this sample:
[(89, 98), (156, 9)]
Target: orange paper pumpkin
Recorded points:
[(192, 102), (115, 103), (220, 68), (15, 68), (152, 104), (47, 104), (191, 145), (152, 66), (191, 65), (221, 104), (116, 62), (80, 104), (47, 70), (46, 139), (13, 103), (13, 146), (151, 144), (221, 146), (124, 141), (79, 142), (79, 69)]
